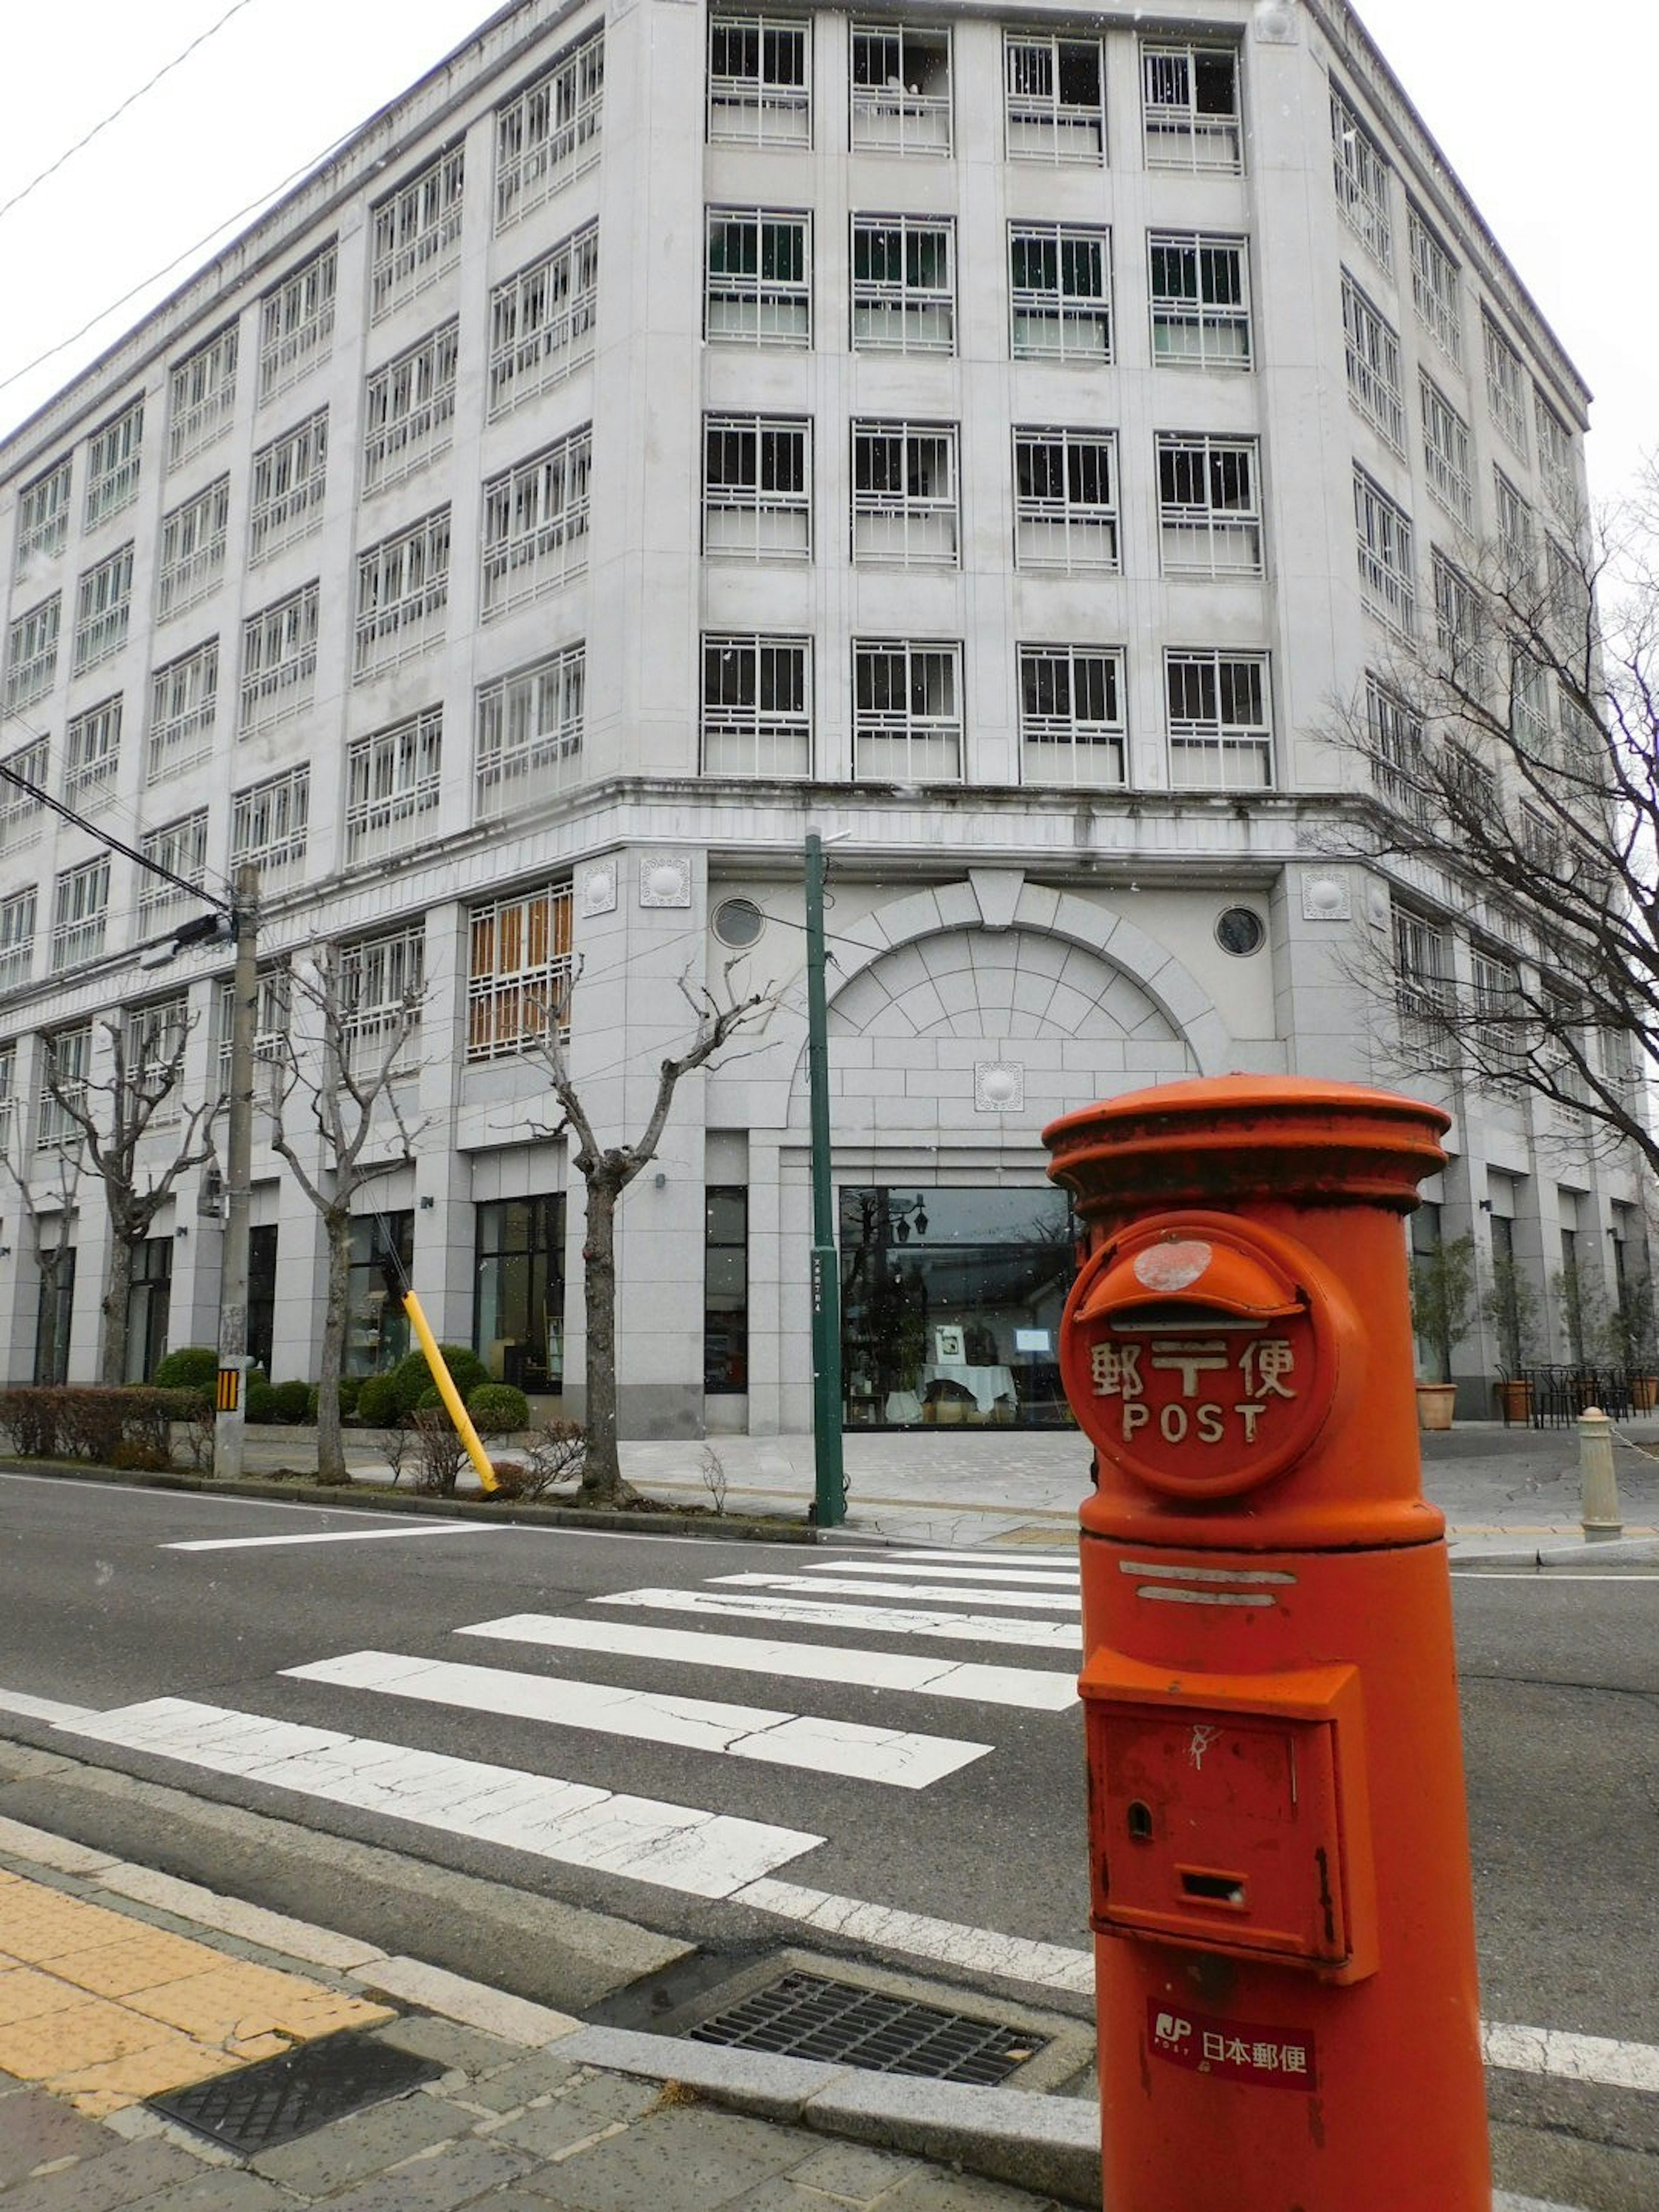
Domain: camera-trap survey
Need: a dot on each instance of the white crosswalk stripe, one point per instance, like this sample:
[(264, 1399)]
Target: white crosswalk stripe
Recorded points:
[(928, 1593), (865, 1620), (1009, 1577)]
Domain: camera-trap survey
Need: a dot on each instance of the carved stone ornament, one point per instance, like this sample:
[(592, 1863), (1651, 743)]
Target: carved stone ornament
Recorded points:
[(599, 889), (664, 879), (999, 1086), (1326, 898)]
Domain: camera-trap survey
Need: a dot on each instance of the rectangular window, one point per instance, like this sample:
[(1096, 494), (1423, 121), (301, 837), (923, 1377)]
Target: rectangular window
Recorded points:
[(289, 477), (408, 408), (1395, 741), (536, 520), (900, 90), (1530, 706), (183, 699), (1506, 386), (394, 782), (152, 1051), (279, 659), (1200, 300), (1446, 453), (757, 706), (726, 1291), (907, 711), (1422, 968), (529, 732), (112, 465), (32, 654), (550, 132), (1372, 350), (760, 83), (402, 596), (756, 487), (1434, 287), (517, 1316), (904, 296), (1459, 628), (904, 494), (43, 518), (65, 1064), (103, 608), (80, 904), (92, 752), (17, 938), (1060, 293), (1555, 458), (201, 395), (181, 847), (1517, 540), (1055, 105), (8, 1069), (1567, 592), (541, 321), (520, 974), (1220, 729), (1209, 506), (1364, 180), (382, 980), (417, 232), (1071, 727), (193, 540), (268, 821), (757, 285), (1387, 571), (20, 812), (1189, 108), (272, 992), (1065, 499), (1496, 1005), (297, 323)]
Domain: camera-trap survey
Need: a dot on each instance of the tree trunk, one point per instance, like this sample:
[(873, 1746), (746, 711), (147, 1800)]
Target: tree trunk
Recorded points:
[(602, 1478), (331, 1445), (112, 1339)]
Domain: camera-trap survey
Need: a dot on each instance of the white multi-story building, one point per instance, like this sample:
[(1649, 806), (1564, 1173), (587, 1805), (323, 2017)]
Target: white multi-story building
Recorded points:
[(999, 442)]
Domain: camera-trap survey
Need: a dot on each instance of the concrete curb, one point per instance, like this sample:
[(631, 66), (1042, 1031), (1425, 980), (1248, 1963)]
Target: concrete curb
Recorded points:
[(1570, 1552)]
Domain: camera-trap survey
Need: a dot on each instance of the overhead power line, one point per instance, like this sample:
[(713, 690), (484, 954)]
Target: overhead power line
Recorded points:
[(115, 845)]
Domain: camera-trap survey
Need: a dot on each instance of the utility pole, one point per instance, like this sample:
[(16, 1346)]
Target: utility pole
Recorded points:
[(230, 1422), (829, 1498)]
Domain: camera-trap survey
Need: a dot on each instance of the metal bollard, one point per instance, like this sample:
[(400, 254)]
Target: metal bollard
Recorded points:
[(1599, 1513)]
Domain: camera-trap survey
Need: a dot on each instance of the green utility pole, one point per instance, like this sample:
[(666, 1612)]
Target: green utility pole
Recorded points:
[(830, 1499)]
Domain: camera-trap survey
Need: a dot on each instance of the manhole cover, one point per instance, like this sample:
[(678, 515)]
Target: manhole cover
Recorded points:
[(803, 2016), (259, 2106)]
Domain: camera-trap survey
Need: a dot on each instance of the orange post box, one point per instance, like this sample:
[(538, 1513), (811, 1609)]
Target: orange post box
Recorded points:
[(1279, 1851)]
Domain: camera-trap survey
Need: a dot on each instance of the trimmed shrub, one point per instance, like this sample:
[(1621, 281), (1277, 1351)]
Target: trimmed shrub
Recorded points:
[(290, 1403), (261, 1402), (30, 1419), (125, 1428), (497, 1409), (192, 1367), (413, 1377), (350, 1385), (378, 1404)]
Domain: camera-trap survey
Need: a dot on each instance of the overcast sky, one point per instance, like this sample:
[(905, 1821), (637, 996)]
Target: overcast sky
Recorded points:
[(1546, 116)]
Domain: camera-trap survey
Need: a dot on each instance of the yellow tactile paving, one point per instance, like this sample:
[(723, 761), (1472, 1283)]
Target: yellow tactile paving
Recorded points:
[(25, 1995), (37, 1923), (234, 2001), (145, 1959), (171, 2063)]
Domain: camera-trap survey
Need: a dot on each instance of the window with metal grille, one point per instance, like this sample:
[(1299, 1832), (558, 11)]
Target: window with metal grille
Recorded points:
[(758, 284), (112, 453), (402, 596), (183, 700), (92, 751), (1395, 741), (1060, 293), (279, 659), (289, 477), (103, 608), (181, 847), (907, 711), (1054, 105), (1435, 287), (758, 487), (272, 992), (409, 408), (528, 732), (549, 133), (1200, 300), (536, 519), (381, 982), (1372, 350), (1189, 107), (900, 89), (1459, 625), (394, 783), (17, 937), (1495, 1003), (1446, 453), (1209, 506), (193, 545), (66, 1065), (760, 80), (1422, 967), (268, 821), (541, 321), (1065, 499), (1567, 590), (1555, 457), (1529, 706), (1506, 386), (1516, 539), (1387, 564), (32, 654), (1219, 725), (904, 296), (42, 518), (1364, 180), (79, 906), (1072, 726), (152, 1053), (201, 395), (904, 494), (296, 322), (21, 811), (520, 972), (757, 706), (416, 232)]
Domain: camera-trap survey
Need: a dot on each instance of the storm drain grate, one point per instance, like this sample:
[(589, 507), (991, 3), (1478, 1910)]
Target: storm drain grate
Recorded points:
[(803, 2016), (257, 2108)]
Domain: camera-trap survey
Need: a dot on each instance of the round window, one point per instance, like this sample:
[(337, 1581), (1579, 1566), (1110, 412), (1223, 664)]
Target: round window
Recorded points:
[(1241, 930), (739, 922)]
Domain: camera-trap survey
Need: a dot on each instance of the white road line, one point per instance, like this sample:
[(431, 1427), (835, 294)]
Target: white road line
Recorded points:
[(894, 1756), (1571, 2057), (336, 1536), (952, 1943), (1041, 1578), (1033, 1689), (1035, 1601), (866, 1620), (1543, 1575), (41, 1709), (676, 1847), (1057, 1562)]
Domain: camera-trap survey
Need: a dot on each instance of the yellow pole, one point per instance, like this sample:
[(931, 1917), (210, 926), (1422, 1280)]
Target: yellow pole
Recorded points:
[(452, 1397)]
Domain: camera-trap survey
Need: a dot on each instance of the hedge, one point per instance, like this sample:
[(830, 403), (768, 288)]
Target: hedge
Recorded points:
[(128, 1427)]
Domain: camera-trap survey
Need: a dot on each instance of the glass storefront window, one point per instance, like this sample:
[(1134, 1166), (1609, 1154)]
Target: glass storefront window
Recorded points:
[(382, 1261), (518, 1315), (726, 1291), (51, 1324), (261, 1295), (149, 1299)]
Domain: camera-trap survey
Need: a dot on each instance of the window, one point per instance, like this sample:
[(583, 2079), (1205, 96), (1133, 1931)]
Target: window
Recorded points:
[(402, 596), (1071, 727), (153, 1047), (1506, 385), (535, 523), (1422, 968), (297, 323), (183, 699), (907, 711), (1516, 541), (1496, 1005), (541, 321), (1373, 357), (1388, 575), (103, 607), (517, 1322), (20, 812), (92, 752), (760, 82), (65, 1064), (1065, 499), (394, 782), (1434, 287), (80, 904), (279, 659), (1200, 300), (16, 938), (1459, 629), (43, 518), (1471, 787), (757, 285), (1555, 457), (1362, 180), (1220, 734), (726, 1290), (193, 538), (900, 90), (757, 706), (381, 984), (1446, 453), (408, 408), (32, 654), (272, 992), (201, 395), (529, 732), (1566, 588), (903, 284), (289, 477), (1541, 840), (1209, 507), (382, 1258), (1056, 110), (904, 494), (1395, 741), (8, 1079), (417, 232), (756, 487), (549, 133), (112, 465), (1189, 108), (1530, 706), (181, 848), (519, 975), (268, 821), (1060, 293)]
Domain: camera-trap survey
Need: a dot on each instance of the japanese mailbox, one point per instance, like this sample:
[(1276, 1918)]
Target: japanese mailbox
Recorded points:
[(1279, 1856)]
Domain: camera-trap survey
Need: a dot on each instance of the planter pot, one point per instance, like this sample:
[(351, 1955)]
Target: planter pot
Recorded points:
[(1514, 1402), (1644, 1393), (1434, 1402)]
